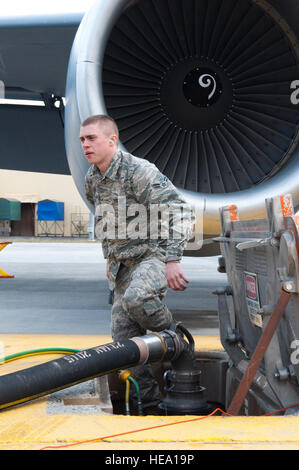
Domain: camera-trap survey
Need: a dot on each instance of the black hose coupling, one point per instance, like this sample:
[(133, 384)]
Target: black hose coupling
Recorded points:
[(183, 391), (166, 345)]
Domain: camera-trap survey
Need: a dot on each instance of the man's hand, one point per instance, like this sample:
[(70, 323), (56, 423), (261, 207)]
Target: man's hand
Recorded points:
[(175, 276), (107, 270)]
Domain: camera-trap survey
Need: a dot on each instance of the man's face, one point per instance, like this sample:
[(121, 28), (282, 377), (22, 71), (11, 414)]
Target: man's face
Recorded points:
[(96, 144)]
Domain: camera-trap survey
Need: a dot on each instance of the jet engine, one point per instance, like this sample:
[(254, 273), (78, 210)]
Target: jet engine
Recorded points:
[(205, 89)]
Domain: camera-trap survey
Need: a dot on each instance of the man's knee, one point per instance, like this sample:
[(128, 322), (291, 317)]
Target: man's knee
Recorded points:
[(147, 310), (132, 300), (122, 325)]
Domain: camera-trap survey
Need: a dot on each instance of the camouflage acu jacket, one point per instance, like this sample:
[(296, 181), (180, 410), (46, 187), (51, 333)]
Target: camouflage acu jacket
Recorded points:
[(138, 211)]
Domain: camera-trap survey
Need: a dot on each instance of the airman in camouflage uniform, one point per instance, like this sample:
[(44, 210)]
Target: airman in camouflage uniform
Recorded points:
[(126, 194)]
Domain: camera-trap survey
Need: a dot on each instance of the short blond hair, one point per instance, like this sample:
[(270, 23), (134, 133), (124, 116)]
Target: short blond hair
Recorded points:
[(104, 121)]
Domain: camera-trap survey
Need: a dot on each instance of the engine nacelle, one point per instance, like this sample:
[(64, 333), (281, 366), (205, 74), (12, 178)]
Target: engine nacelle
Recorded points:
[(206, 90)]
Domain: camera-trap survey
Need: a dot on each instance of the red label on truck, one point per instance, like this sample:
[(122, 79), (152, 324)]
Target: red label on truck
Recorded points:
[(250, 284), (252, 298)]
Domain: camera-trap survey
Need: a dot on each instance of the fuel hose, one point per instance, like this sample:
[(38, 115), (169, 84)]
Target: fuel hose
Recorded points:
[(71, 369)]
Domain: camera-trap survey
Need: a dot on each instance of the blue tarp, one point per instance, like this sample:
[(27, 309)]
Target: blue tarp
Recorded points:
[(50, 210)]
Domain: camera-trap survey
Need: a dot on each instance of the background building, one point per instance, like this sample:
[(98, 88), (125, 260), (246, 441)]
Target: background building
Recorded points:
[(30, 189)]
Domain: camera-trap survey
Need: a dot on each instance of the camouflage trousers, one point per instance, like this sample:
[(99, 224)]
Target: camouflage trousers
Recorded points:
[(140, 289)]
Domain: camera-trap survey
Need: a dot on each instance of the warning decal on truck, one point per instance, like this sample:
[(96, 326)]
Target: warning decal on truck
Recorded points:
[(253, 299)]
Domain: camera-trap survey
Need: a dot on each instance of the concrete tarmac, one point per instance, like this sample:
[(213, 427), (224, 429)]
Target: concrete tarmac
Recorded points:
[(59, 287)]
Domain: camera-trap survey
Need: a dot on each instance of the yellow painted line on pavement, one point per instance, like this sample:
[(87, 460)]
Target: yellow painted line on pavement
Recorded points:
[(29, 424), (4, 244), (4, 274)]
